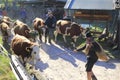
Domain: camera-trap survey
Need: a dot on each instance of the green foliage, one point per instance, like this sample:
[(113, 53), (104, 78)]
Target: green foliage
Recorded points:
[(95, 28), (5, 70)]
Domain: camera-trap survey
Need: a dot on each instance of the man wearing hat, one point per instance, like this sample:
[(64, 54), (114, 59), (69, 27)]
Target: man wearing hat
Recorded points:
[(91, 55), (50, 22)]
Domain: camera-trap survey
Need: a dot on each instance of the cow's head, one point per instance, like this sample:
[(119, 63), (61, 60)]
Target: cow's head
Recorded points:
[(38, 23), (33, 35), (34, 49), (6, 31), (18, 22), (26, 30)]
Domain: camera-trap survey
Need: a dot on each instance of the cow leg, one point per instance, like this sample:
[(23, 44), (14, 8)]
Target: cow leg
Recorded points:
[(73, 42), (34, 57), (22, 60), (46, 38), (46, 34), (4, 39), (49, 36), (32, 61), (64, 37), (40, 36), (55, 34)]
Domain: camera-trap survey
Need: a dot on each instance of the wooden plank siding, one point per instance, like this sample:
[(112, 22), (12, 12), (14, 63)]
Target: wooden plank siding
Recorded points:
[(93, 16)]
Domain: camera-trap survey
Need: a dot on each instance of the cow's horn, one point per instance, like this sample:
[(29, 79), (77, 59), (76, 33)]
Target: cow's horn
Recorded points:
[(27, 49), (26, 31)]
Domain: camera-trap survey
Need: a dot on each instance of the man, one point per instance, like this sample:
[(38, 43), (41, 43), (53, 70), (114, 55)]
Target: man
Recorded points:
[(91, 55), (50, 22), (23, 15), (4, 12)]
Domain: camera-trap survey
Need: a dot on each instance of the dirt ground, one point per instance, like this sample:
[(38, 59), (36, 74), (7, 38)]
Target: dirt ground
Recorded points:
[(59, 63)]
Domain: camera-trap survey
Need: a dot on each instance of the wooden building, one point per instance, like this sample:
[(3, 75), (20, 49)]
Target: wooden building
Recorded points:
[(92, 11), (46, 3)]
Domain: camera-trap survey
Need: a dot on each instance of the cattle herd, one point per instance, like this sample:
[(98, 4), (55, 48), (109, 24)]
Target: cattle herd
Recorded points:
[(25, 41)]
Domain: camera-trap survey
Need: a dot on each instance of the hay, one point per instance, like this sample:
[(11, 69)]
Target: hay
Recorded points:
[(99, 51)]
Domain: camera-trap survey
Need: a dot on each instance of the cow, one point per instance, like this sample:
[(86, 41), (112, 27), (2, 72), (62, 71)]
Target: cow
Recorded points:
[(68, 28), (25, 49), (23, 29), (5, 32), (41, 28), (5, 29), (7, 20)]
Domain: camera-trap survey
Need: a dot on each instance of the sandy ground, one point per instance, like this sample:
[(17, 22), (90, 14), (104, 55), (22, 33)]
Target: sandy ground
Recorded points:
[(59, 63)]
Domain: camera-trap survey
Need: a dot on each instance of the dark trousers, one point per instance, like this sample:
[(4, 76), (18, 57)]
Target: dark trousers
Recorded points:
[(90, 63), (50, 34)]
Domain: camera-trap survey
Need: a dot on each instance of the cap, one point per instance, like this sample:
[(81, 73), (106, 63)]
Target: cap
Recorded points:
[(88, 34)]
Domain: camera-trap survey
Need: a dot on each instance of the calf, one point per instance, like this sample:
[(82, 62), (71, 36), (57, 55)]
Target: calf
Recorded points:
[(41, 28), (25, 49), (68, 28)]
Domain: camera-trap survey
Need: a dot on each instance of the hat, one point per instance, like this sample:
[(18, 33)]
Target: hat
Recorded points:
[(49, 12), (88, 34)]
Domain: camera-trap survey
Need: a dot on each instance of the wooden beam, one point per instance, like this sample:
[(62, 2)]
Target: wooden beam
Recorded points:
[(93, 16)]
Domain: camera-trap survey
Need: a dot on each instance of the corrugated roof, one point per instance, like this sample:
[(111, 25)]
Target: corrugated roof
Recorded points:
[(90, 4)]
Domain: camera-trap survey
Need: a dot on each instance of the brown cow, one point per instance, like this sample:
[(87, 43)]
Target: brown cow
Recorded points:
[(5, 31), (41, 28), (18, 22), (23, 29), (68, 28), (7, 20), (25, 49), (5, 28)]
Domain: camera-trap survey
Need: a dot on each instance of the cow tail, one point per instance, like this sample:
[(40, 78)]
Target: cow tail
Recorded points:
[(0, 27)]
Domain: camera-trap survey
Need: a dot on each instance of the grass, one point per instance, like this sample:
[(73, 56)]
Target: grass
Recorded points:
[(5, 70)]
